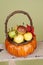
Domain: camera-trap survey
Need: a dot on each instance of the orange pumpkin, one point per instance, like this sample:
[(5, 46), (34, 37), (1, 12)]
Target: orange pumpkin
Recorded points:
[(22, 49)]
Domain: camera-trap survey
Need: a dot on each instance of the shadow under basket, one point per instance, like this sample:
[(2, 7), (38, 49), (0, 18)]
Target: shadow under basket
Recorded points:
[(23, 49)]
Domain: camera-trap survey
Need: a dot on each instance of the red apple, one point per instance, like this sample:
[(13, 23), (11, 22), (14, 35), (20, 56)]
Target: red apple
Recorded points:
[(28, 36), (30, 29), (21, 29)]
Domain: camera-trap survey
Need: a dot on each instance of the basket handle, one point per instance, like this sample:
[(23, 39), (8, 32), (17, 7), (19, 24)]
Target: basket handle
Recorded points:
[(13, 13)]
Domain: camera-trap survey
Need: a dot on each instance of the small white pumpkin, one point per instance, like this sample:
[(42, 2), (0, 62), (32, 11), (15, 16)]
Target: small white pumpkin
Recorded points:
[(19, 38)]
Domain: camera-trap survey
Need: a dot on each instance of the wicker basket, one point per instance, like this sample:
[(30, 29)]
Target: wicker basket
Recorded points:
[(22, 49)]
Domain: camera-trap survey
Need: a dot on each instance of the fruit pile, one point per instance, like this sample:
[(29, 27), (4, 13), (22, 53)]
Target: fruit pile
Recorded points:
[(21, 33)]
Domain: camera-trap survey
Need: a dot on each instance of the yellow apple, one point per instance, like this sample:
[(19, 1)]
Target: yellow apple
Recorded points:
[(28, 36)]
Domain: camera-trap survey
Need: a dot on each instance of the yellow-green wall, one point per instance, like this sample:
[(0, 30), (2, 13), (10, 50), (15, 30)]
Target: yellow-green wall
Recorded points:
[(25, 62), (30, 62), (33, 7)]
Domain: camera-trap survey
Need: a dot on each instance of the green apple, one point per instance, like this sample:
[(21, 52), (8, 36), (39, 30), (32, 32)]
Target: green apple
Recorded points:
[(28, 36), (12, 34), (19, 38)]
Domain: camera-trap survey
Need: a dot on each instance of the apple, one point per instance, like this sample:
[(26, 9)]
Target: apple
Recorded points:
[(19, 38), (30, 29), (28, 36), (21, 29), (12, 34)]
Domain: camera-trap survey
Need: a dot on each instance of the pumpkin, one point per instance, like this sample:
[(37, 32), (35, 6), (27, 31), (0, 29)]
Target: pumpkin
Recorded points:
[(22, 49)]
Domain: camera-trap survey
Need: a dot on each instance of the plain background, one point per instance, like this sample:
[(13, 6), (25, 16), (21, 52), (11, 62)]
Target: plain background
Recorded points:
[(33, 7)]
